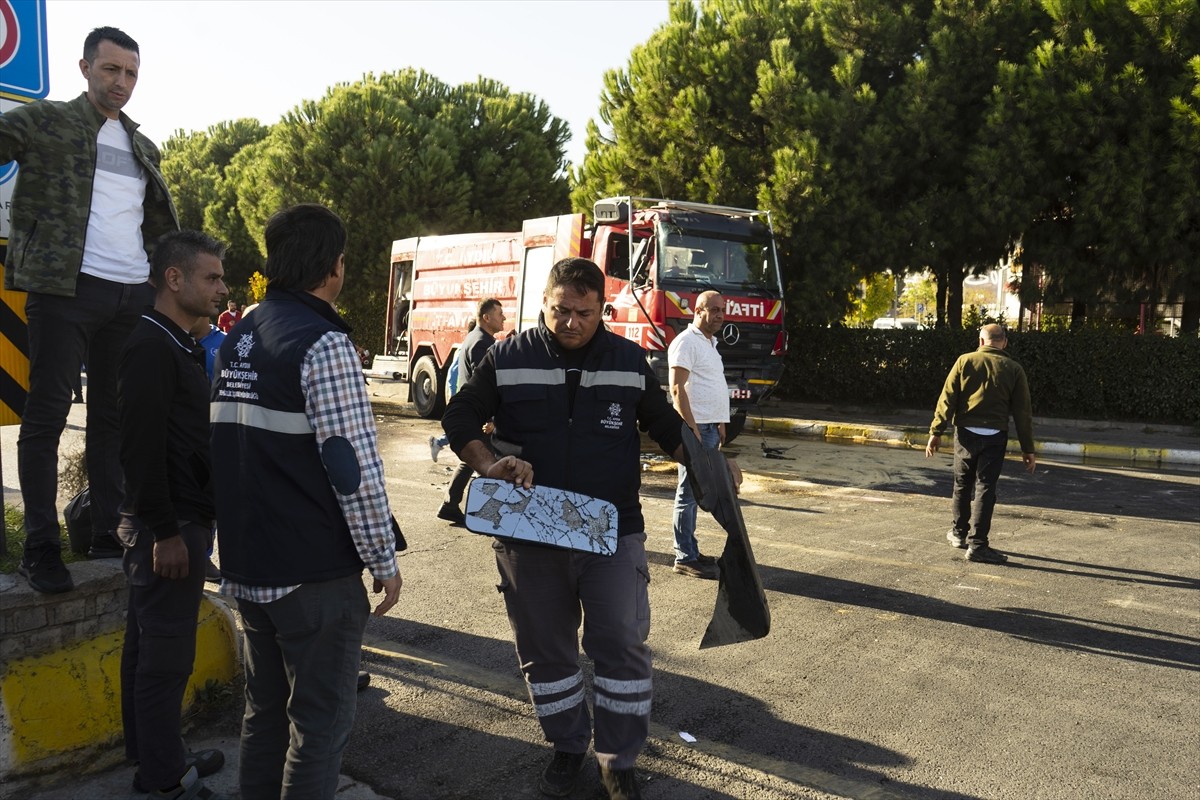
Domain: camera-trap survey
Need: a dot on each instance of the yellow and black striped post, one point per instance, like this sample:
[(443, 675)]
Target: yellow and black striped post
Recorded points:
[(14, 365), (14, 355)]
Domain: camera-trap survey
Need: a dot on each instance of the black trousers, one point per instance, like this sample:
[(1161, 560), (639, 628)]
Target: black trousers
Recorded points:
[(159, 651), (978, 461), (458, 484), (93, 324), (459, 481)]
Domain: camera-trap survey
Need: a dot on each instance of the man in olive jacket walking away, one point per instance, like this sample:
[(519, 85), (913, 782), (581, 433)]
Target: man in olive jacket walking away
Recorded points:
[(982, 391)]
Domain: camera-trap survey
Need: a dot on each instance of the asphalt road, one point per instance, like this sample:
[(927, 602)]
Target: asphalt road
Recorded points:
[(893, 669)]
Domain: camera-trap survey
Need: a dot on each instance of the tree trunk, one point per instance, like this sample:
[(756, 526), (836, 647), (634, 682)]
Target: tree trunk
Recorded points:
[(1189, 319), (940, 301), (954, 297), (1078, 314)]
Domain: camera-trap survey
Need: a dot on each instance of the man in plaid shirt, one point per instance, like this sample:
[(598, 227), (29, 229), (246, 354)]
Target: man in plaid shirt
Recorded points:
[(301, 510)]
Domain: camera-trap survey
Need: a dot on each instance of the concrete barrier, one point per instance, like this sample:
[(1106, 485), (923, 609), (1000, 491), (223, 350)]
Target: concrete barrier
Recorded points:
[(60, 669)]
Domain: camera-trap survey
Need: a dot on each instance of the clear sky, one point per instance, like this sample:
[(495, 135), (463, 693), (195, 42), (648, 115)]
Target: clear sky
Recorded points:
[(206, 61)]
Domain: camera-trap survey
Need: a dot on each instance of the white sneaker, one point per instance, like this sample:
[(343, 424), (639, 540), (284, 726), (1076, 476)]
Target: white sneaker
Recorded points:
[(433, 448)]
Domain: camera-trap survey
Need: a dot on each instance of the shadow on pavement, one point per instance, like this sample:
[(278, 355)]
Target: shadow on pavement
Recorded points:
[(471, 751), (1097, 490), (1151, 647), (1102, 572)]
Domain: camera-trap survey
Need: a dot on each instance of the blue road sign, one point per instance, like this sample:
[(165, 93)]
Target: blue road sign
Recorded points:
[(24, 65)]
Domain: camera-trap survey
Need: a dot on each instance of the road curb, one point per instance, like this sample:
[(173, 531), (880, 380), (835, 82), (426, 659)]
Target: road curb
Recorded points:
[(915, 438)]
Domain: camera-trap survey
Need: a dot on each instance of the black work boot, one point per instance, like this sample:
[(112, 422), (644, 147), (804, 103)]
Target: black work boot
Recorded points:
[(561, 774), (451, 513), (105, 545), (621, 784)]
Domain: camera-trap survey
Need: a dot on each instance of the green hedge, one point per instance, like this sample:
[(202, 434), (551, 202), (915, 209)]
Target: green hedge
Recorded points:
[(1086, 375)]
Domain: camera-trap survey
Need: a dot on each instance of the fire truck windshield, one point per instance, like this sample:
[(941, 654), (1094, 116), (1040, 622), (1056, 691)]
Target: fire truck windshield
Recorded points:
[(696, 262)]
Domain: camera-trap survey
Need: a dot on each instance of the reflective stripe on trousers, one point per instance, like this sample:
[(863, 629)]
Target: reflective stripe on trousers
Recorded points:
[(548, 594)]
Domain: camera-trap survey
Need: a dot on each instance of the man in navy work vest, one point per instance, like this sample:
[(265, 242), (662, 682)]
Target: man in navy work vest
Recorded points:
[(301, 510), (567, 398)]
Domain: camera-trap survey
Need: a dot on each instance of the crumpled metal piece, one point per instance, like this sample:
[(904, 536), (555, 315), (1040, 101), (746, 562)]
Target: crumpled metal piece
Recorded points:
[(741, 612)]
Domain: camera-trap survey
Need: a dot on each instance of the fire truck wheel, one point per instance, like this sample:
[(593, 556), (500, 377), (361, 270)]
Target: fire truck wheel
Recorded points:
[(736, 424), (426, 389)]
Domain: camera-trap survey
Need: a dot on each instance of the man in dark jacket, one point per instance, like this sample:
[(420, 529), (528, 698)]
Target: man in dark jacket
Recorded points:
[(567, 398), (166, 520), (982, 391), (489, 320), (88, 204)]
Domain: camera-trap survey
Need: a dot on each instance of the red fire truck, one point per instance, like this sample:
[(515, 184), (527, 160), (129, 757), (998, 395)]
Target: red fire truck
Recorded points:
[(657, 256)]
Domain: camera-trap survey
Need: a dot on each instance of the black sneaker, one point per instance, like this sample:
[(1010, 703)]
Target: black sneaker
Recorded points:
[(621, 784), (364, 680), (703, 559), (697, 569), (205, 762), (956, 539), (451, 513), (43, 567), (561, 774), (190, 788), (105, 545), (986, 555)]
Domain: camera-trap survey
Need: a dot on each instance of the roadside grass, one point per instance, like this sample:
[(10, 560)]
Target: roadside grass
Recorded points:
[(72, 478), (14, 537)]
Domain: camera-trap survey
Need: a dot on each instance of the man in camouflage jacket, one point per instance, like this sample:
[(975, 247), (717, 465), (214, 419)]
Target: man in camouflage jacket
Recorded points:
[(88, 205)]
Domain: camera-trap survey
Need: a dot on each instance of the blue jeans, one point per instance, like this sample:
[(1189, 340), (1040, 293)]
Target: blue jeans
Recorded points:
[(686, 547), (63, 333), (978, 461), (301, 655)]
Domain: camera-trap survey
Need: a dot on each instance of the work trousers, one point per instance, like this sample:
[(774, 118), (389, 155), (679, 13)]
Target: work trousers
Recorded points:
[(978, 460), (684, 519), (62, 330), (302, 655), (547, 593), (159, 651)]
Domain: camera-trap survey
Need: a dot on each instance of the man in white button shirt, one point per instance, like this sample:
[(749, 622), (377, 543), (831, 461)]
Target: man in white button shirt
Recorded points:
[(88, 206), (701, 397)]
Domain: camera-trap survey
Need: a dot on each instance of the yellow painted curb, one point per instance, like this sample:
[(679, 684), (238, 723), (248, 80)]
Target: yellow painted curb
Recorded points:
[(68, 702)]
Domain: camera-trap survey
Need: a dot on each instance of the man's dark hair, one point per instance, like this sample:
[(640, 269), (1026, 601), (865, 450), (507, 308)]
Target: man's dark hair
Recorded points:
[(304, 243), (577, 273), (485, 306), (179, 249), (106, 34)]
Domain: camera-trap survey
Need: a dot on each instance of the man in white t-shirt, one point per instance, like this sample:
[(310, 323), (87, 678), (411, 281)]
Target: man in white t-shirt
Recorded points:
[(701, 397), (89, 204)]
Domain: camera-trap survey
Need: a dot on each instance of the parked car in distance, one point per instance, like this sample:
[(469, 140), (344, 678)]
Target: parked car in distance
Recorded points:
[(892, 323)]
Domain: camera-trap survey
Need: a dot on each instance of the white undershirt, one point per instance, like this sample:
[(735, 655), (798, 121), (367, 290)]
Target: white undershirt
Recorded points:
[(114, 249)]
